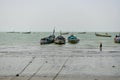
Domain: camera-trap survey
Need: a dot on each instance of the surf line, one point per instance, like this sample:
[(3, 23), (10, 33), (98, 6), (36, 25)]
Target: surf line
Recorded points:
[(61, 68), (24, 68)]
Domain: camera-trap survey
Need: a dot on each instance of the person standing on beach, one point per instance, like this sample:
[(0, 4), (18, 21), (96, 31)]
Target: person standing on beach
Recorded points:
[(100, 46)]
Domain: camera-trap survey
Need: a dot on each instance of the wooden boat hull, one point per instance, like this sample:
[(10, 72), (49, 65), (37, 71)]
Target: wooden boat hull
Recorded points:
[(46, 41), (74, 41), (102, 35), (26, 32), (60, 40), (65, 33), (81, 32)]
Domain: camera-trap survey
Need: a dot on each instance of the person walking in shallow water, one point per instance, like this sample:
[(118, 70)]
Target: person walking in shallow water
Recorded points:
[(100, 46)]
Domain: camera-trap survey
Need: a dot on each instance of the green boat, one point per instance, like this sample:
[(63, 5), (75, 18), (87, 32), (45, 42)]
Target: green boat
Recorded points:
[(73, 39)]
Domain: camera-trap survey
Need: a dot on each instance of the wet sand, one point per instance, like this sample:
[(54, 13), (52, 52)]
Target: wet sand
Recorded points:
[(59, 64)]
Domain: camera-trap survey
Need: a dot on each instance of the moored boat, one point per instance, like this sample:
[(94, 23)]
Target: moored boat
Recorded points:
[(117, 39), (60, 40), (103, 35), (64, 33), (81, 32), (73, 39), (49, 39), (13, 32), (26, 32)]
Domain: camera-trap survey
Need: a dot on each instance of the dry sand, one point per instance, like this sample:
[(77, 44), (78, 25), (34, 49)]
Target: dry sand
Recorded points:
[(78, 64)]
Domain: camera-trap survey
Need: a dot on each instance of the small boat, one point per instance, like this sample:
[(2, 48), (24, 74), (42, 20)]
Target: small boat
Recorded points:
[(65, 33), (103, 35), (81, 32), (60, 40), (13, 32), (49, 39), (117, 39), (73, 39), (26, 32)]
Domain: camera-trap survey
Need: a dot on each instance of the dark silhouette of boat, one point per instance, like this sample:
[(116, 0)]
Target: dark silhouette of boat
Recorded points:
[(103, 35), (73, 39), (117, 39), (49, 39), (60, 40), (81, 32), (64, 33), (26, 32), (13, 32)]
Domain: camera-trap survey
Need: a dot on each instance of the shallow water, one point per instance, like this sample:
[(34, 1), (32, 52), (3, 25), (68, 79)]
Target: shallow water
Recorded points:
[(88, 39), (28, 44)]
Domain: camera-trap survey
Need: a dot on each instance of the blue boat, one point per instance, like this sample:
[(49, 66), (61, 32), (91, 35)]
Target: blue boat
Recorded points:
[(49, 39), (73, 39)]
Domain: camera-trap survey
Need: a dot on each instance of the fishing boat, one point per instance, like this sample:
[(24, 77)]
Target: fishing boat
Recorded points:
[(73, 39), (65, 33), (103, 35), (49, 39), (26, 32), (117, 39), (13, 32), (60, 40), (81, 32)]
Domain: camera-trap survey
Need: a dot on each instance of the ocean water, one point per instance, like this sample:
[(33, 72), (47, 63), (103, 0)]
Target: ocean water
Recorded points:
[(27, 42), (17, 50), (88, 39)]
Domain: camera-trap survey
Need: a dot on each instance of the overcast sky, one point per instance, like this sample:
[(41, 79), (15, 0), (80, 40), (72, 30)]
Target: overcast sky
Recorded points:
[(65, 15)]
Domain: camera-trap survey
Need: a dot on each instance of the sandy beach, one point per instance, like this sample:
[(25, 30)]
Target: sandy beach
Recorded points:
[(44, 63)]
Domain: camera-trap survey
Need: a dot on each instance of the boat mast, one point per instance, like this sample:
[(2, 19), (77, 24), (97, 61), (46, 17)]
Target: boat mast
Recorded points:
[(53, 31)]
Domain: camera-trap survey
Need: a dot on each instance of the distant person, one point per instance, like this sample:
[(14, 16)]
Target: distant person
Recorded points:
[(100, 46)]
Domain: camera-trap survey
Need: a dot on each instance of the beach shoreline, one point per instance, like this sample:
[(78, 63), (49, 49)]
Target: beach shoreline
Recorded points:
[(77, 64), (22, 58)]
